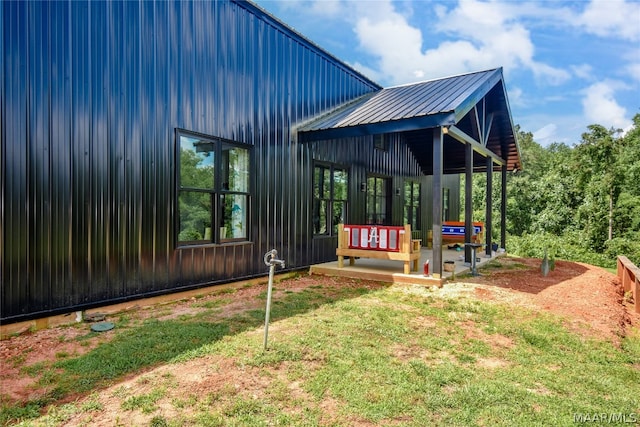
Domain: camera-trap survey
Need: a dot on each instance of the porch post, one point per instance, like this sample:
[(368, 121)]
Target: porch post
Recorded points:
[(437, 202), (489, 214), (468, 200), (503, 208)]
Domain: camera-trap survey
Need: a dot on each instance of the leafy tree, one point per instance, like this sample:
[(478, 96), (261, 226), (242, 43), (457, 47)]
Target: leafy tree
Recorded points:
[(599, 174), (578, 202)]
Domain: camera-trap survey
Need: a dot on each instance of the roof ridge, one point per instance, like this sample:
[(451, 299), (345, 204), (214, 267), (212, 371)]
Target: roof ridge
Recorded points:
[(443, 78)]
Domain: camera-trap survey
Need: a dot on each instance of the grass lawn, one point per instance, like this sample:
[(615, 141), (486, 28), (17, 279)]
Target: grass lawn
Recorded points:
[(402, 356)]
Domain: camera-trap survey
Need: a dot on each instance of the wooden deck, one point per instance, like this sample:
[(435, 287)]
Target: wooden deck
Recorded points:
[(391, 271)]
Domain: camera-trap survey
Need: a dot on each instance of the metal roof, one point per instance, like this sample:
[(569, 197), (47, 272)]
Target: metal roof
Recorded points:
[(426, 105)]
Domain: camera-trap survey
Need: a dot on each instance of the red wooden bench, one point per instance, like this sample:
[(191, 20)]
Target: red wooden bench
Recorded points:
[(379, 242)]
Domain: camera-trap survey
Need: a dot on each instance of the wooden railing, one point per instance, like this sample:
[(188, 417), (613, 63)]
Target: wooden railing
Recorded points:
[(629, 275)]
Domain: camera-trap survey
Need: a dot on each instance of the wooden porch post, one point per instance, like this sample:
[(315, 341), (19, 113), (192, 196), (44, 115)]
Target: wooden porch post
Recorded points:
[(503, 208), (437, 202), (489, 213), (468, 200)]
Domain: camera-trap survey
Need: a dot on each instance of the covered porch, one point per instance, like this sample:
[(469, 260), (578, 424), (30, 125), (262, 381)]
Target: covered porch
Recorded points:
[(391, 271), (455, 125)]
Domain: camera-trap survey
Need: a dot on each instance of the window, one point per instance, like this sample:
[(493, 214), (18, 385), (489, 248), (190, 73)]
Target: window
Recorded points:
[(378, 204), (213, 189), (412, 204), (329, 199)]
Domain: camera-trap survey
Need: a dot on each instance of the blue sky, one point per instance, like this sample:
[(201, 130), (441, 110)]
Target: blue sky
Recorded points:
[(567, 64)]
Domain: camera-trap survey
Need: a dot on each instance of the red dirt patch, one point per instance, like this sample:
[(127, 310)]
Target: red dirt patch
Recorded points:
[(582, 293)]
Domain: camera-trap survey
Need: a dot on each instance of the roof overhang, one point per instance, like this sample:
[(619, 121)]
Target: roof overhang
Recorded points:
[(471, 109)]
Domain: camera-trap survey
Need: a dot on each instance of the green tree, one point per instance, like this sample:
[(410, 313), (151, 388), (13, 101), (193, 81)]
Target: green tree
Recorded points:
[(581, 202), (626, 220), (600, 176)]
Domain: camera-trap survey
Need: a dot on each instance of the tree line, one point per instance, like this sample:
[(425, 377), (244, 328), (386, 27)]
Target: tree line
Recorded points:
[(579, 202)]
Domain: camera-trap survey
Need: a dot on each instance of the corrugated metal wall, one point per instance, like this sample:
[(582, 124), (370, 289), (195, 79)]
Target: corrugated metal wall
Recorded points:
[(92, 93)]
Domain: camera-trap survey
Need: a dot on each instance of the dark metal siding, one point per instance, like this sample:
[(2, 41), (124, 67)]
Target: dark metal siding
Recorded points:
[(92, 93)]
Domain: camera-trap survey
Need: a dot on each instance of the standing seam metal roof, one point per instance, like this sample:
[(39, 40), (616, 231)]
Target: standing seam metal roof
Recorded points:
[(425, 105), (404, 102)]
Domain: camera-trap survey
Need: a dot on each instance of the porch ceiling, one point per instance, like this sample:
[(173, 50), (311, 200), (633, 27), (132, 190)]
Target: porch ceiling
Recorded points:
[(474, 107)]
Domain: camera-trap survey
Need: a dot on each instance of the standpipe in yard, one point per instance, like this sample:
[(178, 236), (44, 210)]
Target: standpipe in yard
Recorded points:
[(270, 259)]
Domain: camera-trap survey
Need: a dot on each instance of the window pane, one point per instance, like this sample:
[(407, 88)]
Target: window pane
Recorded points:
[(408, 192), (235, 168), (445, 204), (415, 223), (381, 187), (320, 216), (339, 215), (234, 216), (321, 182), (317, 182), (339, 184), (196, 163), (326, 184), (195, 216)]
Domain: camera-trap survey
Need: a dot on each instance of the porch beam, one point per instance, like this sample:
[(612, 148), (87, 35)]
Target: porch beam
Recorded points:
[(463, 137), (487, 129), (476, 123)]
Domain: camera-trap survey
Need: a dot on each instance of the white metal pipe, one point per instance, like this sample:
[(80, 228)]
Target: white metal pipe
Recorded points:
[(270, 259)]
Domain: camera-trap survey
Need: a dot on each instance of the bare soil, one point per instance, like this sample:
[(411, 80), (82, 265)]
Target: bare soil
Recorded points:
[(589, 298)]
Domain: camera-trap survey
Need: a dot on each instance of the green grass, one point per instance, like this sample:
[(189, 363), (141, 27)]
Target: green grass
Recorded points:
[(141, 345), (392, 356)]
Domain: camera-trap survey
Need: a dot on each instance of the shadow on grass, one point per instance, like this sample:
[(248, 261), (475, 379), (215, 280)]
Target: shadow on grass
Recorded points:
[(139, 347)]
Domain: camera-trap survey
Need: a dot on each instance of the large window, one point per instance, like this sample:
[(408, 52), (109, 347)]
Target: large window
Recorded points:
[(378, 202), (329, 199), (412, 204), (213, 199)]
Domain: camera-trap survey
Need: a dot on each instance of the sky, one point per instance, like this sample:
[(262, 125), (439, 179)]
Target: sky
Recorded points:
[(566, 65)]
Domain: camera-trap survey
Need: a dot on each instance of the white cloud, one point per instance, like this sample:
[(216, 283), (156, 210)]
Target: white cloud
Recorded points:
[(317, 7), (612, 18), (584, 71), (546, 134), (600, 106), (327, 7), (516, 97), (481, 35), (496, 30), (367, 71), (633, 70), (552, 128)]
